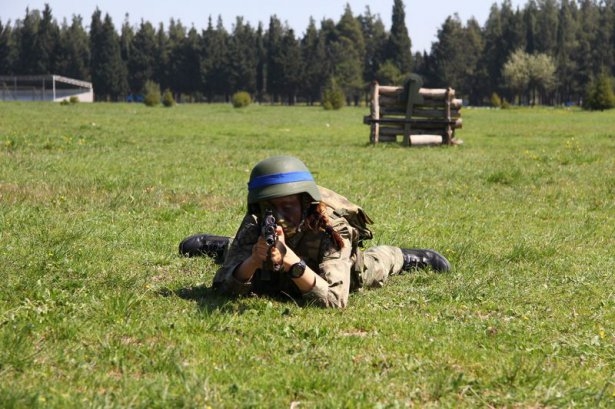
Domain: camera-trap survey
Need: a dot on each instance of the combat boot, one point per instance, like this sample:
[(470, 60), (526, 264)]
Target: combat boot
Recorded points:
[(204, 245), (415, 259)]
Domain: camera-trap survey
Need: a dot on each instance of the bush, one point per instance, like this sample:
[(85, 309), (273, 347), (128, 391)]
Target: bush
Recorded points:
[(600, 95), (496, 101), (333, 96), (152, 94), (74, 99), (167, 98), (241, 99)]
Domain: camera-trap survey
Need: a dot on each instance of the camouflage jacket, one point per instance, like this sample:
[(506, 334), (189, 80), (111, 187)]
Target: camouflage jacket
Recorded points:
[(338, 270)]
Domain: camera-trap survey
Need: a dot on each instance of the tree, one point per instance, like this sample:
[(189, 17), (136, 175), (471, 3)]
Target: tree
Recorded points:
[(399, 45), (27, 46), (275, 81), (242, 58), (73, 56), (314, 74), (447, 54), (161, 69), (107, 68), (7, 48), (214, 60), (531, 75), (47, 39), (542, 77), (375, 37), (291, 65), (547, 23), (141, 62), (516, 73), (568, 88), (348, 56), (600, 94)]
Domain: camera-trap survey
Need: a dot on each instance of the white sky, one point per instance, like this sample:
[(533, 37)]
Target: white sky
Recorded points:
[(423, 17)]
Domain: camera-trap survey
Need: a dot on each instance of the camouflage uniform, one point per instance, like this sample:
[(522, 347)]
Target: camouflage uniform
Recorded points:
[(338, 271)]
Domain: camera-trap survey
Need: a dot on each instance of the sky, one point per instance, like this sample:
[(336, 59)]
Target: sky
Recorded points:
[(423, 17)]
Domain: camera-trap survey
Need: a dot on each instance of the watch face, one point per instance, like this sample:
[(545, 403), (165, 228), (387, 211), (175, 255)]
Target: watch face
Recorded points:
[(297, 269)]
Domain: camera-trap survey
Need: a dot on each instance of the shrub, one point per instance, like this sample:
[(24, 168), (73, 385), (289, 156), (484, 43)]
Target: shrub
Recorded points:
[(600, 95), (333, 96), (167, 98), (74, 99), (496, 101), (152, 94), (241, 99)]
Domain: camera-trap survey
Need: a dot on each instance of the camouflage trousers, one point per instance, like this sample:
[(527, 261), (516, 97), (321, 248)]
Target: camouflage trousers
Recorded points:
[(379, 263)]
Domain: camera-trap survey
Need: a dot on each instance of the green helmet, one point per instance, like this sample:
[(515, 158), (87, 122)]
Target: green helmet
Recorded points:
[(280, 176)]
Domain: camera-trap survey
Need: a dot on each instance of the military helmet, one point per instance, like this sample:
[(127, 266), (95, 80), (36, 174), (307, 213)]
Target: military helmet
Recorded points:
[(280, 176)]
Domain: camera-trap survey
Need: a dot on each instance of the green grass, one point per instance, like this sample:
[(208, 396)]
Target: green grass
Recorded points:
[(98, 310)]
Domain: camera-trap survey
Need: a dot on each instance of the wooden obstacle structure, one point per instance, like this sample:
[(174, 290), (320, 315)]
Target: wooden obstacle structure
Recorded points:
[(420, 115)]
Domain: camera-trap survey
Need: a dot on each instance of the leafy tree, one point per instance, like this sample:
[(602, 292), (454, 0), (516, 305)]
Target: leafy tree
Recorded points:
[(542, 77), (533, 75), (516, 73), (167, 98), (600, 95), (333, 96), (152, 93)]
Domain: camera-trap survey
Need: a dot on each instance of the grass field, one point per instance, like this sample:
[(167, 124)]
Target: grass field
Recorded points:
[(98, 310)]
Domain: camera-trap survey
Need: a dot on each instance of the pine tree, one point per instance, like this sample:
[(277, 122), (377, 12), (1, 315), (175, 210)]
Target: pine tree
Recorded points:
[(108, 69), (399, 46), (8, 49), (242, 58), (73, 55), (141, 62)]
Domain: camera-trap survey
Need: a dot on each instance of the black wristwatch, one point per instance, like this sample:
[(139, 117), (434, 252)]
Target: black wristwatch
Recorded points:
[(297, 269)]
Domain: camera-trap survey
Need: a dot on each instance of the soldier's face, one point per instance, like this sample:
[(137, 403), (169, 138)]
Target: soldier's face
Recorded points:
[(288, 208)]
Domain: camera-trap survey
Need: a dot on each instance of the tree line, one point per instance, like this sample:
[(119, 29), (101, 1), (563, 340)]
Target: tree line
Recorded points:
[(547, 52)]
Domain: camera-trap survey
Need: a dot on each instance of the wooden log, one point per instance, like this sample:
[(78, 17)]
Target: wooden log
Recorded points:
[(386, 101), (418, 113), (429, 123), (375, 112), (416, 131), (437, 93), (426, 139), (431, 93)]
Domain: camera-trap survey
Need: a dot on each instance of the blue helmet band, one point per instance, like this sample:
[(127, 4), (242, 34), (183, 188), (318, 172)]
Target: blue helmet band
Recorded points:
[(278, 179)]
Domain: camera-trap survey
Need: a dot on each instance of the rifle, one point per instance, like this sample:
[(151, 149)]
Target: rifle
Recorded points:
[(268, 231)]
